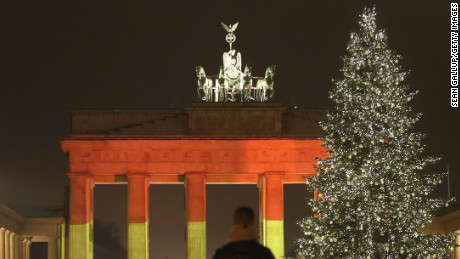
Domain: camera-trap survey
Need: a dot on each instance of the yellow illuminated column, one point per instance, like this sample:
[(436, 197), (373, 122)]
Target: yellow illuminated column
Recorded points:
[(138, 216), (2, 243), (24, 247), (271, 205), (195, 202), (81, 216), (28, 248), (61, 241), (12, 245), (7, 244)]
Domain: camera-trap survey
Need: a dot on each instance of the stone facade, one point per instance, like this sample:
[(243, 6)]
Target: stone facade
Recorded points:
[(223, 120)]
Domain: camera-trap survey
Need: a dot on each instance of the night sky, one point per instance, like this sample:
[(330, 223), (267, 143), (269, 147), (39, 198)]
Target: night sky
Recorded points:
[(63, 55)]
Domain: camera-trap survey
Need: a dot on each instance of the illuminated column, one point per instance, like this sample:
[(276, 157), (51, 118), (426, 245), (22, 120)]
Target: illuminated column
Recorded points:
[(272, 212), (2, 243), (12, 245), (24, 248), (28, 243), (138, 216), (195, 203), (61, 241), (81, 216), (7, 244)]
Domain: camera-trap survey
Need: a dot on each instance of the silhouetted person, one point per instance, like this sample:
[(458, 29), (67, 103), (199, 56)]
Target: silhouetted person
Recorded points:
[(242, 240)]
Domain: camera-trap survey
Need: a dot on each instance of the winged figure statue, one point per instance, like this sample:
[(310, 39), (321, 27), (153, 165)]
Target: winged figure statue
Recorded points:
[(230, 28)]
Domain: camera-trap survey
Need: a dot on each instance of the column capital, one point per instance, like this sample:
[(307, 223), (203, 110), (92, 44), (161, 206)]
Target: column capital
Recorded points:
[(7, 232), (2, 229)]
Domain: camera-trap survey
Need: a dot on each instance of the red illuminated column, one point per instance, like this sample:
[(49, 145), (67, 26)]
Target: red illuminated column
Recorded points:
[(138, 216), (195, 202), (81, 216), (272, 212), (12, 245)]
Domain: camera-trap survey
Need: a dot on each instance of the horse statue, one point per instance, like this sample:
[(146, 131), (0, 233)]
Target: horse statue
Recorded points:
[(204, 84), (265, 84)]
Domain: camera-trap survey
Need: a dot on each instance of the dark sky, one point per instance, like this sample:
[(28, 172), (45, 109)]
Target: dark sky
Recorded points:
[(62, 55)]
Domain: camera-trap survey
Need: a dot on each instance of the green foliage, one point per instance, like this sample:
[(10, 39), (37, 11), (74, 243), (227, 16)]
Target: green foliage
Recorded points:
[(375, 198)]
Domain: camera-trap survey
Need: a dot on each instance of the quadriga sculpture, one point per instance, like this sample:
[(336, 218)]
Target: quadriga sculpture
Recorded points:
[(232, 83)]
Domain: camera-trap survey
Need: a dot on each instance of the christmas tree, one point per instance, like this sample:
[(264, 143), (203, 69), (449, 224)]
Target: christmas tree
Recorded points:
[(373, 197)]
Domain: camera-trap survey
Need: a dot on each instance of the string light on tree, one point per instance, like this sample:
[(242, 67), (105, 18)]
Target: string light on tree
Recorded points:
[(374, 197)]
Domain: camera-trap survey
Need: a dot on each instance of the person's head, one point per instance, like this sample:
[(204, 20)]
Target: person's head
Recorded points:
[(243, 216)]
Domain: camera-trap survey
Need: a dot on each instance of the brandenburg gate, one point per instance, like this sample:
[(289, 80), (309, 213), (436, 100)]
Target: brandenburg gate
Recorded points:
[(234, 137), (262, 144)]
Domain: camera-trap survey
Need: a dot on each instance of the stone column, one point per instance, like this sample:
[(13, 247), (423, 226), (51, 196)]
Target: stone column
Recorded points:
[(28, 243), (81, 216), (7, 244), (271, 205), (195, 203), (61, 241), (12, 245), (24, 247), (138, 216), (2, 242)]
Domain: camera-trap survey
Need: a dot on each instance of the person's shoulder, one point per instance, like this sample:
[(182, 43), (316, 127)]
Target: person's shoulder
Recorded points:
[(267, 253), (248, 248)]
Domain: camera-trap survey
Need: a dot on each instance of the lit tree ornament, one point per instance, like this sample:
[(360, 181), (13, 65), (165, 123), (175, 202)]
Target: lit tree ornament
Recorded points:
[(374, 197)]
